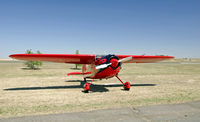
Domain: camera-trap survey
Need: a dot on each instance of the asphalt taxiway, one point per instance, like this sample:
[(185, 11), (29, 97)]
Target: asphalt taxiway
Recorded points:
[(174, 112)]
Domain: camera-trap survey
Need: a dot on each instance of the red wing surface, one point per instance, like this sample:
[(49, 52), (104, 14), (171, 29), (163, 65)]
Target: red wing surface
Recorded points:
[(144, 58), (59, 58), (85, 59)]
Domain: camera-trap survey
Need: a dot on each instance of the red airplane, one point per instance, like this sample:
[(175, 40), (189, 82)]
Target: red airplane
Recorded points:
[(94, 66)]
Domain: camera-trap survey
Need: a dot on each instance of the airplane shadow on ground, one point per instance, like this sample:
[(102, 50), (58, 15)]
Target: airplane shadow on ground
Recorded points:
[(93, 87)]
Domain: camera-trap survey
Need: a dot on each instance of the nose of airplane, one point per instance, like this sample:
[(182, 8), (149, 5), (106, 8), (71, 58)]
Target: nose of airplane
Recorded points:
[(114, 62)]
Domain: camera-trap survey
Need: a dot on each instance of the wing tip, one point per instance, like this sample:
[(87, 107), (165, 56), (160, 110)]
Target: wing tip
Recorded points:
[(171, 57), (12, 55)]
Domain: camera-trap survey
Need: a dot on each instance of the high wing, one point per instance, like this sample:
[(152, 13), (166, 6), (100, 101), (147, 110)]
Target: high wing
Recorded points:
[(144, 58), (58, 58), (85, 58)]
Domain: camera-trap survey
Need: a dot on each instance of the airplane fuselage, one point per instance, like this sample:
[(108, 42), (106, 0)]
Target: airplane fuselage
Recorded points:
[(103, 73)]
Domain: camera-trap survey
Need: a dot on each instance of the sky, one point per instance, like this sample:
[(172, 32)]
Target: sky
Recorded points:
[(136, 27)]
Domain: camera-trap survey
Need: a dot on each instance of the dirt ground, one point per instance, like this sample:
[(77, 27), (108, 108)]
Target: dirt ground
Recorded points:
[(49, 90)]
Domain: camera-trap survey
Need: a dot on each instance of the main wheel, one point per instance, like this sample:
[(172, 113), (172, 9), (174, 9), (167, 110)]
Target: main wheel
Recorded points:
[(86, 87), (127, 86)]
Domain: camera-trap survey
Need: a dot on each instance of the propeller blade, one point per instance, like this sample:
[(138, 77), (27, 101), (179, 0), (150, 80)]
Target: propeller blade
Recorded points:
[(125, 59), (103, 66)]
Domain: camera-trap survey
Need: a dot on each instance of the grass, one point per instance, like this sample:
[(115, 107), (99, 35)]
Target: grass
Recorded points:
[(49, 90)]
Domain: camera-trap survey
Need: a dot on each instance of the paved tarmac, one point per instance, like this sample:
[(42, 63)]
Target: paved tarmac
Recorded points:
[(176, 112)]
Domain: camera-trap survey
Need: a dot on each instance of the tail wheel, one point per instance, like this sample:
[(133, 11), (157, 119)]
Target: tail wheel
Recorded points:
[(127, 86)]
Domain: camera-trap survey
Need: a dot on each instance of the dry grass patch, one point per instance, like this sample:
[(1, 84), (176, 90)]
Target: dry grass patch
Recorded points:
[(49, 90)]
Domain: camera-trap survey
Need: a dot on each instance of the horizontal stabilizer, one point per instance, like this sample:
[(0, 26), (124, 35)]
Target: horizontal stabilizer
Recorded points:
[(78, 73)]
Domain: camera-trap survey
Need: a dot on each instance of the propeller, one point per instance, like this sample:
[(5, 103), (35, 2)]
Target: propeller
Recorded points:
[(103, 66), (125, 59), (106, 65)]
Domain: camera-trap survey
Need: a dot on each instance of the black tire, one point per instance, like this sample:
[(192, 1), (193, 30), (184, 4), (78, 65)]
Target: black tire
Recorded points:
[(86, 91)]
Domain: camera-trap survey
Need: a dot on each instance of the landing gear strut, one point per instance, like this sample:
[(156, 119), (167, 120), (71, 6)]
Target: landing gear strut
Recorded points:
[(126, 85), (86, 86)]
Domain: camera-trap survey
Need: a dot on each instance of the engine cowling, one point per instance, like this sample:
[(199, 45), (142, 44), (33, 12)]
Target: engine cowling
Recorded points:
[(110, 60)]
